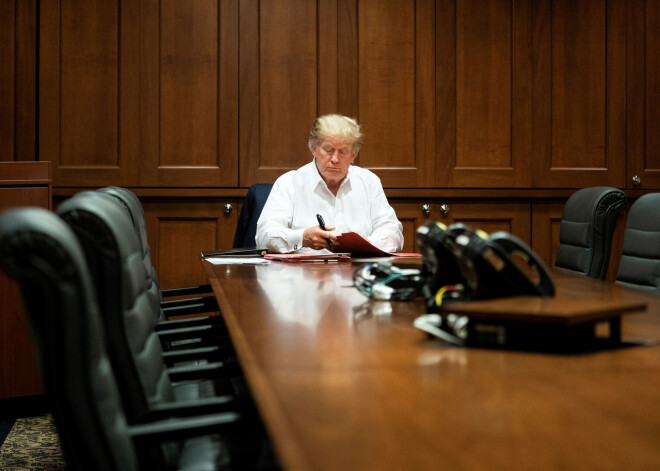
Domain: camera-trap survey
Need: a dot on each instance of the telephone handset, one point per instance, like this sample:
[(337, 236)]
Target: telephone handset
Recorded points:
[(488, 265), (512, 245)]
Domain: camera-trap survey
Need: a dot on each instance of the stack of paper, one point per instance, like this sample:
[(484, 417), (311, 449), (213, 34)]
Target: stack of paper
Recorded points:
[(308, 257)]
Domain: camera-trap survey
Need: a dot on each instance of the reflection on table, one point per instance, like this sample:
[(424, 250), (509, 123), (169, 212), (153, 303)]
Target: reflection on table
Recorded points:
[(347, 383)]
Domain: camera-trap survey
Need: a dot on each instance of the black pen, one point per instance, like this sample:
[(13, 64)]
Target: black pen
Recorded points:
[(319, 218)]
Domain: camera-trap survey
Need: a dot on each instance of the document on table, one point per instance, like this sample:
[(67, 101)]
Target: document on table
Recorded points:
[(308, 257)]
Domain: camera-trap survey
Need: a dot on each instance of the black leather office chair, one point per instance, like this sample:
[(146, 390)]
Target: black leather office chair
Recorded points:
[(640, 263), (587, 227), (208, 326), (246, 228), (42, 253), (168, 308), (115, 260)]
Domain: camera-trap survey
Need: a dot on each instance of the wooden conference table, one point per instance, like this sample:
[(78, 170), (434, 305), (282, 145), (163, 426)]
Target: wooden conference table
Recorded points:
[(344, 383)]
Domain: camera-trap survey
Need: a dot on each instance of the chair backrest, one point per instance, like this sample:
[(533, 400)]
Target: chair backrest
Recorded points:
[(587, 227), (42, 253), (115, 259), (246, 228), (640, 263), (131, 203)]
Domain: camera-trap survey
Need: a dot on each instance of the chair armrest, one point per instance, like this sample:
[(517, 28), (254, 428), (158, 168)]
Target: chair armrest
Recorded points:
[(218, 369), (186, 291), (209, 300), (201, 307), (212, 353), (192, 408), (183, 428), (214, 321), (185, 333)]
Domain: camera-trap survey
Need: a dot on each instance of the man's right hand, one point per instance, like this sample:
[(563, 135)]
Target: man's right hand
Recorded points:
[(315, 238)]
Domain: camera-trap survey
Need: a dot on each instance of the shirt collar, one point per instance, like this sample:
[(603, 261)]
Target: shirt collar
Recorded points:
[(315, 177)]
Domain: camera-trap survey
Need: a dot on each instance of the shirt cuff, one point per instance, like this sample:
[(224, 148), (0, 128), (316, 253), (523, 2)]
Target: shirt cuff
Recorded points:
[(296, 240)]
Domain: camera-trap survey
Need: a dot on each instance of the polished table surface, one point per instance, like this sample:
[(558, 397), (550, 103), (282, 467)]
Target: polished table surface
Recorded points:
[(344, 383)]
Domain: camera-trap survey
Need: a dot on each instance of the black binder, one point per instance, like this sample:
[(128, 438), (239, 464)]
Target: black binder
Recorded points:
[(239, 252)]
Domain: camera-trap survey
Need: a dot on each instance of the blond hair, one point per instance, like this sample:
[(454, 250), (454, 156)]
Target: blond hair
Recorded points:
[(335, 126)]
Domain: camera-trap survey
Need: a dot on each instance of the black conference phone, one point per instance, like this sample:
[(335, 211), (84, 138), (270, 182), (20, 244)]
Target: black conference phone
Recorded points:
[(458, 264), (464, 264)]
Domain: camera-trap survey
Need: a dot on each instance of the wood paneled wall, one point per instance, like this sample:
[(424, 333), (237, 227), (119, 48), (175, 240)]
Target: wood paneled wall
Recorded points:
[(18, 80), (221, 93), (451, 94), (464, 99), (179, 230), (580, 93), (22, 183), (643, 83)]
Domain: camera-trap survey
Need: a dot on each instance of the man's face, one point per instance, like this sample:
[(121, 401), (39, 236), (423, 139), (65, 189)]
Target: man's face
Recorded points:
[(333, 157)]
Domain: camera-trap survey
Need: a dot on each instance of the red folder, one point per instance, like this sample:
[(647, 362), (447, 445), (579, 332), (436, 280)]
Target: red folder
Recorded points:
[(358, 246)]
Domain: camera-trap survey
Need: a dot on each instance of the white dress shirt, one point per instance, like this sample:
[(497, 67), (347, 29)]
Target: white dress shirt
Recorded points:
[(299, 195)]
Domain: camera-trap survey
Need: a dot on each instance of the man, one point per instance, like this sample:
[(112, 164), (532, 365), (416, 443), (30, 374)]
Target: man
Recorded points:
[(349, 198)]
